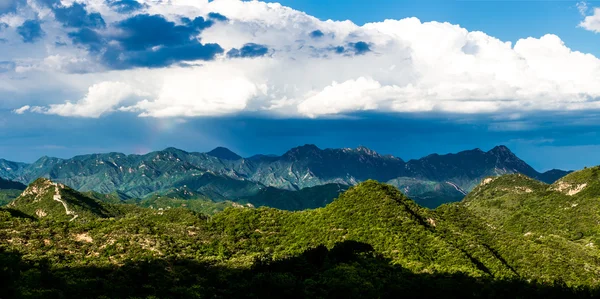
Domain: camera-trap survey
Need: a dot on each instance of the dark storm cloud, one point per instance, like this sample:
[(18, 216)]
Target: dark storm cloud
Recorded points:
[(149, 41), (249, 50), (88, 37), (30, 31), (144, 31)]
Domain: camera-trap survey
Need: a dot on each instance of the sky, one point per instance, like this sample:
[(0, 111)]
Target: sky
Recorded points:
[(407, 78)]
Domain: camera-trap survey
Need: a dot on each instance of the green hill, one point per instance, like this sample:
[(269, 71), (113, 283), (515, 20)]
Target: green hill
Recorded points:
[(370, 242), (567, 209), (46, 199)]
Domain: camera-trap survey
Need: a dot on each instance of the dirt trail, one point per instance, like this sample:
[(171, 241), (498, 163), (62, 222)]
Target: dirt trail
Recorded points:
[(58, 197), (457, 188)]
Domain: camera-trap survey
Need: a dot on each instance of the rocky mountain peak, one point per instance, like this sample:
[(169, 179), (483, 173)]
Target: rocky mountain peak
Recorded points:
[(224, 153), (366, 150), (304, 151), (501, 150)]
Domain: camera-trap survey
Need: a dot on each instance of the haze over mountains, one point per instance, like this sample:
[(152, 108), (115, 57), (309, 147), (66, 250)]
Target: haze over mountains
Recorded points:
[(221, 174)]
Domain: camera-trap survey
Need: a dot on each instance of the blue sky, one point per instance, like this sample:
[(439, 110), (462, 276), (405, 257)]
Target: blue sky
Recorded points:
[(438, 76)]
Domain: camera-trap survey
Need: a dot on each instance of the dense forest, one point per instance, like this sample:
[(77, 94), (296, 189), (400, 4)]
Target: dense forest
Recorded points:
[(511, 237)]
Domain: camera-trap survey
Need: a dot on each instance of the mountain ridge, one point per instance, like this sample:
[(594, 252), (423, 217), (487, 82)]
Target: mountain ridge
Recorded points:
[(431, 179)]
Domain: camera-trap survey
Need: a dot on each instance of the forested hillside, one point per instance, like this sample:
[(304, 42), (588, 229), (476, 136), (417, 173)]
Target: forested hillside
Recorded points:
[(370, 242)]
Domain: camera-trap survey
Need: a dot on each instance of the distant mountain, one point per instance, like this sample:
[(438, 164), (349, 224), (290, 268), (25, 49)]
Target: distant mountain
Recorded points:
[(263, 157), (9, 168), (223, 175), (224, 153)]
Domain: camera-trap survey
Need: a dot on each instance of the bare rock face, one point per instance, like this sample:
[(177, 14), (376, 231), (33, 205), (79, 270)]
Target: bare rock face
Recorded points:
[(568, 188)]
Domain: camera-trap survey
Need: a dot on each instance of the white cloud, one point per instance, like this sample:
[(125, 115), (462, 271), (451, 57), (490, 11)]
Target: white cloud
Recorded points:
[(592, 23), (582, 7), (413, 66), (352, 95), (100, 99), (200, 91), (22, 109)]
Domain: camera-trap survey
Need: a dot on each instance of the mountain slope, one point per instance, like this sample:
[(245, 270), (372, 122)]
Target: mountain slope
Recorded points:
[(567, 209), (563, 215), (306, 198), (46, 199)]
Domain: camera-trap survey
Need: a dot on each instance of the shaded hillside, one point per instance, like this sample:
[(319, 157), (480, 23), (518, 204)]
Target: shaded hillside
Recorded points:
[(348, 270), (306, 198), (9, 190), (10, 185)]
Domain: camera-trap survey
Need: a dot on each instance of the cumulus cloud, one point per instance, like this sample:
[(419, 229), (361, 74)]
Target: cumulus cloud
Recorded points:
[(147, 41), (592, 22), (352, 95), (101, 98), (200, 92), (201, 58)]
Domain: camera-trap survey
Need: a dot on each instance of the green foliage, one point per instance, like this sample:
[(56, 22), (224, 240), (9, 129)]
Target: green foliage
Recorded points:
[(306, 198), (349, 270), (6, 196), (371, 242), (200, 205)]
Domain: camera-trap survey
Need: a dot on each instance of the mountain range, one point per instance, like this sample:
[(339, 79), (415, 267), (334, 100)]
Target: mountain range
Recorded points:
[(223, 175)]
